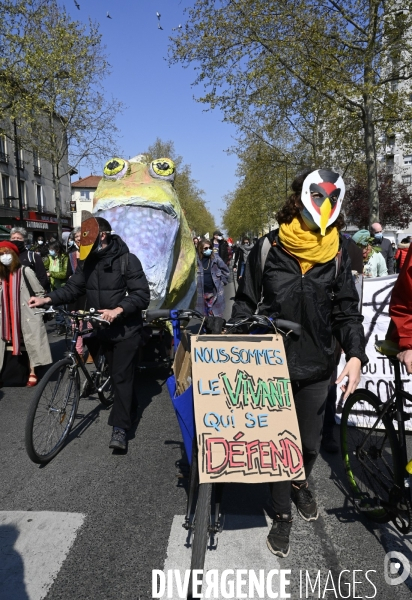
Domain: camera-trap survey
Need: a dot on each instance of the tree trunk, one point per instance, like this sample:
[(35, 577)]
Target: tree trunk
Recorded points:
[(370, 155)]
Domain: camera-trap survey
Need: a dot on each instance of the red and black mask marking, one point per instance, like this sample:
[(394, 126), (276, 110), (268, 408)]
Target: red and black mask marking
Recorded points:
[(329, 189)]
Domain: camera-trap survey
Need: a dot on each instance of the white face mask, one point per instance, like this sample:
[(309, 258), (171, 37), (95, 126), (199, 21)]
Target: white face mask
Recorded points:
[(6, 259), (40, 242)]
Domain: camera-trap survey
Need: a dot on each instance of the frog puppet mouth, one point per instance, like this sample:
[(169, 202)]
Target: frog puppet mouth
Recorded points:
[(150, 230)]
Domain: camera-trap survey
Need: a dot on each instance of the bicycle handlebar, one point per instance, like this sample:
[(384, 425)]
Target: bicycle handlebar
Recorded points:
[(296, 328), (152, 315), (261, 320), (86, 316), (167, 314), (268, 323)]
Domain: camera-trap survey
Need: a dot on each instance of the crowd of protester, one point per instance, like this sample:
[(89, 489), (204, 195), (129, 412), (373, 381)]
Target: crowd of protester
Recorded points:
[(306, 257), (54, 262)]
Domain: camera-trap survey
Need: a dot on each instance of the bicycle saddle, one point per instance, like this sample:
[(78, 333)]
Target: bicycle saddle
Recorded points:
[(387, 347)]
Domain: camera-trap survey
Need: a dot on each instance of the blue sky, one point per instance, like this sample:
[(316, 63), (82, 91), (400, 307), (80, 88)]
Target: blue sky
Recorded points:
[(159, 98)]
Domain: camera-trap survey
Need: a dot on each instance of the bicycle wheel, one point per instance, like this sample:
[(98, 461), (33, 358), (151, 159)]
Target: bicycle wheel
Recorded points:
[(52, 411), (201, 531), (103, 381), (371, 458)]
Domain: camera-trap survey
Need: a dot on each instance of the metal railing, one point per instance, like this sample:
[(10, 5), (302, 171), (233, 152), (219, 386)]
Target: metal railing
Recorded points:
[(36, 169), (12, 203), (4, 157)]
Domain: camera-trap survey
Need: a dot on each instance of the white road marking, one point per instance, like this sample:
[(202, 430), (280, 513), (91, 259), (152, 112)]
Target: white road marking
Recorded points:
[(33, 546), (241, 545)]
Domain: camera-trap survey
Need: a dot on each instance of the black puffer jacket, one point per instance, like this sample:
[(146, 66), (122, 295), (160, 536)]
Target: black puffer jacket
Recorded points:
[(323, 302), (100, 278)]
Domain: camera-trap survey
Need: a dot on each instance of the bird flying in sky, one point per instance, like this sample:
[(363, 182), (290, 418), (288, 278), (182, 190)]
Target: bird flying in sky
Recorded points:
[(77, 5), (108, 16), (159, 26), (158, 15)]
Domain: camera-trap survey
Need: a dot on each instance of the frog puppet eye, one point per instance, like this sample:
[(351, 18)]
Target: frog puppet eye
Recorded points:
[(162, 168), (115, 168)]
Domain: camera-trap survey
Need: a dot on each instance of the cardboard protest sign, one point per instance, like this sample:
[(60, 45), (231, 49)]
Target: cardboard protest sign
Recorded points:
[(377, 376), (246, 424)]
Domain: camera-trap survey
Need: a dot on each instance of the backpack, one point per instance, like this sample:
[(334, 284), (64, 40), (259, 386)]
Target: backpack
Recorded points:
[(124, 263), (30, 256)]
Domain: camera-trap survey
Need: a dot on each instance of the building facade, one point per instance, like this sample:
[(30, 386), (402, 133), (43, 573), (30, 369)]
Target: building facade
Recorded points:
[(82, 195), (33, 175)]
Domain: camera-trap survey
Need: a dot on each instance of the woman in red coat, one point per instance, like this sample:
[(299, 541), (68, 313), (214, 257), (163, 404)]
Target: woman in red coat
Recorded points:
[(400, 310), (401, 253)]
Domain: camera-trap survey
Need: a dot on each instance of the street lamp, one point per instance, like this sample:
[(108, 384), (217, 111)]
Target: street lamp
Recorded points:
[(17, 160)]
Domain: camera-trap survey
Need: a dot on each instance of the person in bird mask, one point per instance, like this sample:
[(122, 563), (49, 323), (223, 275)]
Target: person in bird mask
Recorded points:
[(302, 272), (114, 283)]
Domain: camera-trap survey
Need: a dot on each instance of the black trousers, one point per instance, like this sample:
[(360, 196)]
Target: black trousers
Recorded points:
[(310, 402), (121, 357), (330, 411)]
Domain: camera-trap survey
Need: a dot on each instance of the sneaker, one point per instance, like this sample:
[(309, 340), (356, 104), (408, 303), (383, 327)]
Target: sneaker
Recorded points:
[(329, 444), (118, 441), (278, 538), (305, 502)]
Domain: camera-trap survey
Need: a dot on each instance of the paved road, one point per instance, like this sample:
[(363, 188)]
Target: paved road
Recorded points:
[(93, 525)]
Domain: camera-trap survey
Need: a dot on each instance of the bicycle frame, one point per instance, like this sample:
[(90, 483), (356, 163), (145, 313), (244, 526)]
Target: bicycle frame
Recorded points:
[(400, 416), (77, 361)]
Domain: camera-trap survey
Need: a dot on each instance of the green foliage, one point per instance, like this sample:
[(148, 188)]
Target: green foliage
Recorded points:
[(322, 76), (199, 218), (51, 73), (263, 188)]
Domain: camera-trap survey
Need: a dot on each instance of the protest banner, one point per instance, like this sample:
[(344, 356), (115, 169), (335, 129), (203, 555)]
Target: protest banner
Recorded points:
[(246, 424), (377, 375)]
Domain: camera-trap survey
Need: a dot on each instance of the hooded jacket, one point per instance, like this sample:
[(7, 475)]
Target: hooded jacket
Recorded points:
[(100, 278), (223, 250), (400, 308), (324, 302), (400, 255)]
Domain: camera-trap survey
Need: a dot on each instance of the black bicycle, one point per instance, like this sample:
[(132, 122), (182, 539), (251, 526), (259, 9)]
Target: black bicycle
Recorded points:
[(203, 519), (54, 406), (374, 452)]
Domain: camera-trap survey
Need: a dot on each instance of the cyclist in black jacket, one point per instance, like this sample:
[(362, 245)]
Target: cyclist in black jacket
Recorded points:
[(115, 284), (302, 272)]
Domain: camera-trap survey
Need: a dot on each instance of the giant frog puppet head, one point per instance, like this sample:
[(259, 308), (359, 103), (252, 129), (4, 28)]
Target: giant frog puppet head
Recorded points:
[(140, 203)]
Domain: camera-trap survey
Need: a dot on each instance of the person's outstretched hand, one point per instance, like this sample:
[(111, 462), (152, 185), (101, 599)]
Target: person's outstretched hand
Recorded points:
[(38, 301), (405, 358), (352, 371)]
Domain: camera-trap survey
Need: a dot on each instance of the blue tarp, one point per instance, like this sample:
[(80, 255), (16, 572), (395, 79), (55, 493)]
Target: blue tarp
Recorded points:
[(183, 406)]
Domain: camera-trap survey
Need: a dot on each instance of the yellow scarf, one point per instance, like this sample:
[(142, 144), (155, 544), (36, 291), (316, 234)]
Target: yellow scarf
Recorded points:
[(309, 247)]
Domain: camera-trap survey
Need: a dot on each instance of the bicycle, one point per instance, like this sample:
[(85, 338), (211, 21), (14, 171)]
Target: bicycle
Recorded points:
[(374, 453), (54, 406), (203, 518)]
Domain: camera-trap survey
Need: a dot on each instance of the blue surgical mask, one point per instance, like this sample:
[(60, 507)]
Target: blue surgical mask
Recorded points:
[(52, 252), (308, 219), (378, 236), (207, 252)]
